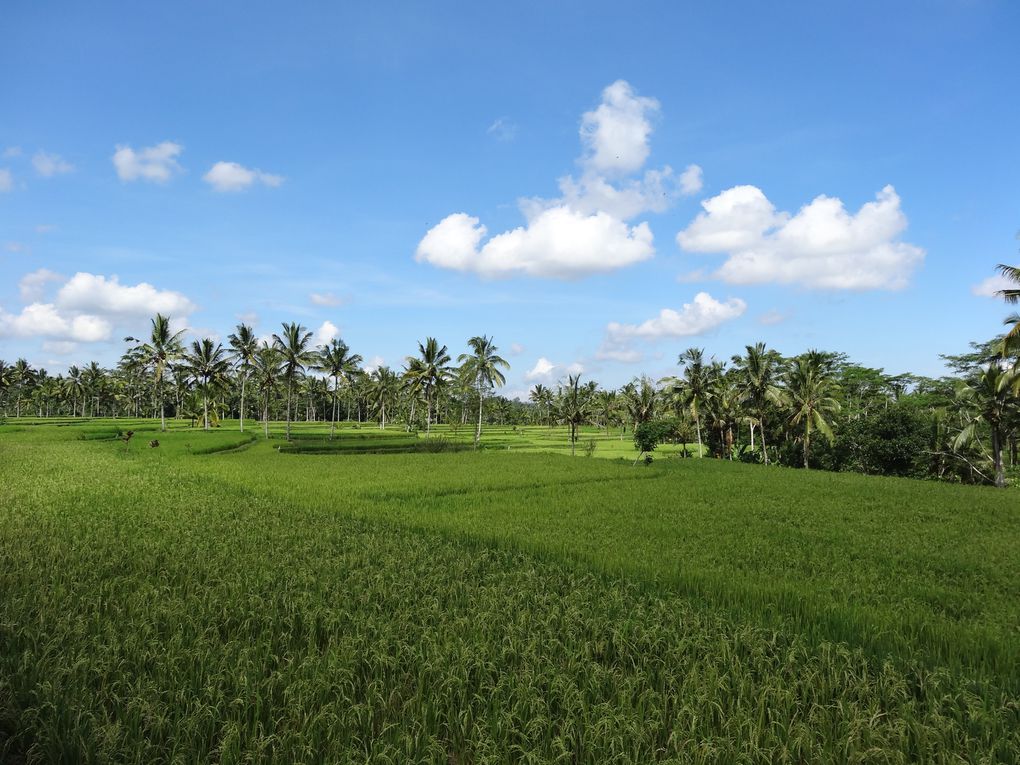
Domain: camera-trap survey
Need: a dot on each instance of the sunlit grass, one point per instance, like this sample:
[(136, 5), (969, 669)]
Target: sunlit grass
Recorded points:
[(158, 604)]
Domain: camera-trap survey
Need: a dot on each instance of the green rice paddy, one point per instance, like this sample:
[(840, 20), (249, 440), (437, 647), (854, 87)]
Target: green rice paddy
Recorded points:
[(383, 597)]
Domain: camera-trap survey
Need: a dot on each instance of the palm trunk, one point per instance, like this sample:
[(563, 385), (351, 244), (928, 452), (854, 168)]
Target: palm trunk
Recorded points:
[(243, 381), (1000, 475), (162, 407), (290, 391), (205, 411), (478, 430), (697, 422), (764, 448), (332, 424), (807, 445)]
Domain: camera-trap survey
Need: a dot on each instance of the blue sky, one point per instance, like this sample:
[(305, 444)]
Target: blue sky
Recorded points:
[(321, 164)]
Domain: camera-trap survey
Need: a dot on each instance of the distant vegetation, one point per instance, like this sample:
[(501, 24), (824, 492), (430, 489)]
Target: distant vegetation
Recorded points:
[(815, 410)]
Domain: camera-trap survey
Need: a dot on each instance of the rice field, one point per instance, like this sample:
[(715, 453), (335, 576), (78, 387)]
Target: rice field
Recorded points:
[(223, 598)]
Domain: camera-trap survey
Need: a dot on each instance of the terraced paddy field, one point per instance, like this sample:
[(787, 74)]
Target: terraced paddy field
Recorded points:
[(376, 598)]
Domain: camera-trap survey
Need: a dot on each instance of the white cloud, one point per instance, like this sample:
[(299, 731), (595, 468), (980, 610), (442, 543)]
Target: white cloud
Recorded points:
[(703, 314), (502, 129), (44, 320), (821, 246), (516, 349), (583, 231), (32, 286), (325, 299), (230, 176), (373, 364), (990, 287), (559, 243), (691, 180), (546, 371), (48, 165), (154, 163), (11, 152), (6, 180), (615, 134), (94, 293), (248, 317), (326, 333)]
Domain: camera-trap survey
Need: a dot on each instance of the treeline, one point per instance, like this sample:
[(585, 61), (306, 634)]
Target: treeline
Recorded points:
[(814, 410)]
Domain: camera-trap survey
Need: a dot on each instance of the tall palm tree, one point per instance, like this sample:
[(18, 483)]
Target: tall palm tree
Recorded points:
[(434, 372), (692, 389), (482, 368), (6, 381), (337, 362), (758, 371), (383, 388), (640, 398), (162, 350), (22, 379), (992, 399), (74, 389), (209, 365), (268, 371), (574, 406), (810, 393), (293, 342), (243, 345), (542, 397), (607, 404)]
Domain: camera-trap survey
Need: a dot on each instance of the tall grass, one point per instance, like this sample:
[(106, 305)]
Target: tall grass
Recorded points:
[(252, 606)]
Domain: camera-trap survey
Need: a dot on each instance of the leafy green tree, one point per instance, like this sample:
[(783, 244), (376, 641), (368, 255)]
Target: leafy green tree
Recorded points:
[(811, 397), (542, 398), (433, 372), (294, 344), (574, 405), (158, 354), (268, 374), (758, 372), (992, 397), (336, 361), (209, 365), (383, 391), (244, 345), (482, 367)]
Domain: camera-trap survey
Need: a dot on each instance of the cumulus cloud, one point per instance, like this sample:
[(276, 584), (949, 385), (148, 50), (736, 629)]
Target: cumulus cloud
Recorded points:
[(94, 293), (703, 314), (48, 165), (585, 230), (822, 246), (230, 176), (616, 133), (325, 299), (6, 180), (991, 286), (86, 308), (559, 242), (546, 371), (326, 333), (154, 163), (373, 364), (691, 180), (33, 285), (45, 320)]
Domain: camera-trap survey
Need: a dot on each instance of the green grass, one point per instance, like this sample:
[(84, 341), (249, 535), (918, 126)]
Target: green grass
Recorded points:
[(251, 605)]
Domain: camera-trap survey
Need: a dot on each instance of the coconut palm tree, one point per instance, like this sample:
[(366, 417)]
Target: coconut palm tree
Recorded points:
[(74, 389), (992, 400), (6, 381), (640, 398), (810, 394), (22, 379), (293, 342), (243, 345), (607, 404), (383, 389), (542, 397), (433, 372), (162, 350), (693, 388), (209, 366), (758, 371), (482, 368), (268, 373), (574, 404), (337, 362)]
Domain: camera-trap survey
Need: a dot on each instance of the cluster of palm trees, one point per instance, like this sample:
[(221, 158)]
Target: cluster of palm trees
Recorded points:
[(809, 409), (161, 372)]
